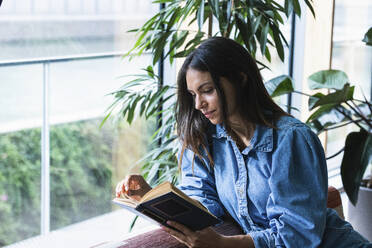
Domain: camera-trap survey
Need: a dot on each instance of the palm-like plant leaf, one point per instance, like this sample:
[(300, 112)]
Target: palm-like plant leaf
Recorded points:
[(251, 21), (248, 22)]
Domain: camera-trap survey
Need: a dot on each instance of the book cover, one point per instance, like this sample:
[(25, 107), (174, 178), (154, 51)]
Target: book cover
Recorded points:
[(167, 202)]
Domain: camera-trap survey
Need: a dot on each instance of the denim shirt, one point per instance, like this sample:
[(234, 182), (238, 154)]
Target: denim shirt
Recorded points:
[(275, 189)]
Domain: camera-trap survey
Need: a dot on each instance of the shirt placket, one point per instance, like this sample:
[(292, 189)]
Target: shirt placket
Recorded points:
[(241, 185)]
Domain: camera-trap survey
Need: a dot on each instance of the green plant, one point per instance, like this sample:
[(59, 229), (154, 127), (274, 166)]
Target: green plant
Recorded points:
[(336, 109), (253, 23), (80, 175)]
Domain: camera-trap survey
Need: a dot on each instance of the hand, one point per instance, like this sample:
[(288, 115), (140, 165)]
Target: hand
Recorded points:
[(204, 238), (133, 186)]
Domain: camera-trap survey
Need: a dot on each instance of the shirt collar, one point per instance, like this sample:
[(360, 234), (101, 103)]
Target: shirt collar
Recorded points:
[(262, 139)]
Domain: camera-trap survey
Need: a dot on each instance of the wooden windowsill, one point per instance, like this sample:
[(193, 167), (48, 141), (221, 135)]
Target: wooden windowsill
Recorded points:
[(157, 238)]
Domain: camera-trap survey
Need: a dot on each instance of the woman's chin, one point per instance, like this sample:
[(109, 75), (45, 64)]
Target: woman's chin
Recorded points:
[(215, 121)]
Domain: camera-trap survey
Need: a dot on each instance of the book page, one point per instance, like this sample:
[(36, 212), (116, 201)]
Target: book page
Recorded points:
[(168, 187), (157, 191), (123, 199)]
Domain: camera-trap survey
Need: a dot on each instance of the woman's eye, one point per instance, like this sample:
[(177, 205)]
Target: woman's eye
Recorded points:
[(209, 90)]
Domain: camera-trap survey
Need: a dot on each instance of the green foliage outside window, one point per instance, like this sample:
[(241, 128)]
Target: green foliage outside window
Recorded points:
[(80, 177)]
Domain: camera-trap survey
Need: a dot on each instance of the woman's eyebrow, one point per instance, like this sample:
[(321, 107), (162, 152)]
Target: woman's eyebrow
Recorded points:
[(201, 86)]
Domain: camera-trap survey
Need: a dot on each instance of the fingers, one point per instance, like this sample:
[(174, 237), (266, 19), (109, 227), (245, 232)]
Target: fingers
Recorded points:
[(123, 186), (120, 188), (177, 235), (186, 231), (131, 185)]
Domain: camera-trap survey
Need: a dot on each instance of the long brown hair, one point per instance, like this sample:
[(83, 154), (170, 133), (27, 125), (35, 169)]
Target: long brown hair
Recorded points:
[(222, 57)]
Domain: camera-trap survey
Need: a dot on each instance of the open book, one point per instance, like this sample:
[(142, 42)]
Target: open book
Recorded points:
[(166, 202)]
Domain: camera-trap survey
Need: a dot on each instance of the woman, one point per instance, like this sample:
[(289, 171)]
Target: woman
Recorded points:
[(244, 156)]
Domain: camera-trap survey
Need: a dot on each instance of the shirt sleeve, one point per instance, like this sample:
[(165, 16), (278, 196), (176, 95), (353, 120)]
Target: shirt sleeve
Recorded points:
[(198, 182), (296, 206)]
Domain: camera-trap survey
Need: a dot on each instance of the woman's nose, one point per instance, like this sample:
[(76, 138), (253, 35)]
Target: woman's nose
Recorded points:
[(199, 102)]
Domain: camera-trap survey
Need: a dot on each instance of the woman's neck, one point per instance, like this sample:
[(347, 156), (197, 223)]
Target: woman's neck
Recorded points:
[(242, 129)]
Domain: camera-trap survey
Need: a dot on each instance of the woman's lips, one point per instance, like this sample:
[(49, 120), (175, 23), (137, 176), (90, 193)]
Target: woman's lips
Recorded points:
[(209, 114)]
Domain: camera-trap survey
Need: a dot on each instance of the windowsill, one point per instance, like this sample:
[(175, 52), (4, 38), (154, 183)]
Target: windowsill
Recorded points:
[(105, 229)]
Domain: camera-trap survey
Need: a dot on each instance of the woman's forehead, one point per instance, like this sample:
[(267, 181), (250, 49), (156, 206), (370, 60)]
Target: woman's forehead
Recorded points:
[(196, 79)]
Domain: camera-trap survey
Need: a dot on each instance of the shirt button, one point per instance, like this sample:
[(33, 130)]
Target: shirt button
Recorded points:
[(241, 192)]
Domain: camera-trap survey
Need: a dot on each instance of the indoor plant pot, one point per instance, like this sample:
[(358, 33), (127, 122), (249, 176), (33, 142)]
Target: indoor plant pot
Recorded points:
[(360, 215)]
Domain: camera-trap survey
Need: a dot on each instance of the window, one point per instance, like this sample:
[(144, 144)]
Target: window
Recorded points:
[(59, 60), (351, 55)]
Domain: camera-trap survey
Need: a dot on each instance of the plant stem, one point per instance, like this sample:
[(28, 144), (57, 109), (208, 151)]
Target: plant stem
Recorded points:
[(356, 106), (366, 102), (301, 93), (360, 115), (334, 155), (210, 24), (341, 125), (349, 118)]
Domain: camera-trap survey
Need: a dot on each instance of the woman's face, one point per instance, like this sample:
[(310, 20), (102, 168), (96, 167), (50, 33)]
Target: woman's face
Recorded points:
[(200, 85)]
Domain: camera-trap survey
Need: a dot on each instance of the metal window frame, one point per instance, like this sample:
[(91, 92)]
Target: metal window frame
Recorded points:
[(45, 147)]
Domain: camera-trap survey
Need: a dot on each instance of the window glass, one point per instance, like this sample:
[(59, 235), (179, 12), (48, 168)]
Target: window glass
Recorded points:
[(20, 136), (73, 47), (43, 28), (87, 161), (351, 21)]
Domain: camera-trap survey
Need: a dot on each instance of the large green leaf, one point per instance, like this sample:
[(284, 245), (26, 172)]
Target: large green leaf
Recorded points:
[(326, 116), (368, 37), (325, 109), (314, 99), (337, 97), (357, 154), (279, 85), (328, 79)]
